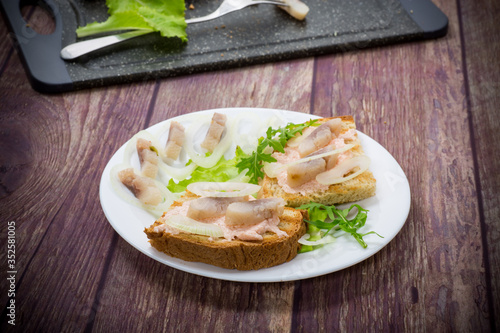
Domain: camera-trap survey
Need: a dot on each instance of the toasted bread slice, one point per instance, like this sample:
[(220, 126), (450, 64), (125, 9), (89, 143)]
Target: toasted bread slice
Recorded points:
[(234, 254), (358, 188)]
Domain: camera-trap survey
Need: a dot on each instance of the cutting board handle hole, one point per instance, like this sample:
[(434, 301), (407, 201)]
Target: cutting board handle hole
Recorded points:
[(38, 16)]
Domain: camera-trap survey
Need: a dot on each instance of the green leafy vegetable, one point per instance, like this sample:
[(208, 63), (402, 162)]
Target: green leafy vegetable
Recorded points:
[(275, 139), (153, 148), (165, 16), (328, 218), (223, 171)]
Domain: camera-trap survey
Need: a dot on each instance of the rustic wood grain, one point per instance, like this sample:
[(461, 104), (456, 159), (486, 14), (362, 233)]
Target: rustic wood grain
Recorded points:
[(481, 48), (285, 86)]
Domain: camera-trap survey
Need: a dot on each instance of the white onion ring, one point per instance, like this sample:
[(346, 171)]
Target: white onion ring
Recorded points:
[(184, 223), (223, 189), (273, 169), (336, 174)]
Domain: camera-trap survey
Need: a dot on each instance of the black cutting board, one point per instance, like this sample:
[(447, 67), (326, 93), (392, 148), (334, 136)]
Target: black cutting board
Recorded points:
[(256, 34)]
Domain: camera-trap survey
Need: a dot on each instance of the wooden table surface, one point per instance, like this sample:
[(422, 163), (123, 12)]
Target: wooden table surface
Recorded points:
[(434, 105)]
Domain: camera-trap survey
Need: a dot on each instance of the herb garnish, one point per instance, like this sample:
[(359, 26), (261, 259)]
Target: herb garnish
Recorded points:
[(275, 139), (324, 219)]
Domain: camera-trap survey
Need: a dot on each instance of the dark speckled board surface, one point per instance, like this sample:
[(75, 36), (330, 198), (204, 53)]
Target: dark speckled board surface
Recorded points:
[(257, 34)]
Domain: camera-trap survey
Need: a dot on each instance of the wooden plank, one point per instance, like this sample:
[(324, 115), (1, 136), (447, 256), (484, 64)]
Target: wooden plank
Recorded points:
[(409, 98), (168, 299), (482, 47)]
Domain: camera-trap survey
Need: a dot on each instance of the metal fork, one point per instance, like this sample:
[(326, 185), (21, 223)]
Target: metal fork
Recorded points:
[(78, 49)]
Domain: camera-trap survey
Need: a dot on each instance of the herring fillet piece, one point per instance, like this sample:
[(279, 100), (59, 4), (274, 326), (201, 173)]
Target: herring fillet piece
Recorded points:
[(209, 207)]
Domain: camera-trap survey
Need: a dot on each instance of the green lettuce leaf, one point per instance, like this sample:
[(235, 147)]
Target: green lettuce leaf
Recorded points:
[(165, 16), (167, 24)]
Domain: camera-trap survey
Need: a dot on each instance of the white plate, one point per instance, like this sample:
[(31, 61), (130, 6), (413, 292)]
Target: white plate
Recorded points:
[(388, 211)]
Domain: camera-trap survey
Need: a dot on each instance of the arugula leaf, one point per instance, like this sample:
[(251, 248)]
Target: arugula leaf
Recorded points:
[(275, 139), (165, 16), (329, 218), (223, 171)]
